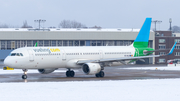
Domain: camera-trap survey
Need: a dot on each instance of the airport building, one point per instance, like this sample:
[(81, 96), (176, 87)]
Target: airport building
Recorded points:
[(164, 40), (11, 39)]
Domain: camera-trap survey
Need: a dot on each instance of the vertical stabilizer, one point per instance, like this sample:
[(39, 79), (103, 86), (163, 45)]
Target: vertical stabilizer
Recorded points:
[(143, 36)]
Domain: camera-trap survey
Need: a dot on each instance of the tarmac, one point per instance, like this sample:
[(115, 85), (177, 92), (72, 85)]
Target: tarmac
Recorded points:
[(111, 73)]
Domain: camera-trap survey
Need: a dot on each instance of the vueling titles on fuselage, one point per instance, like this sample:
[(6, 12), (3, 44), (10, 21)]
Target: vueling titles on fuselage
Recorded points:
[(47, 50)]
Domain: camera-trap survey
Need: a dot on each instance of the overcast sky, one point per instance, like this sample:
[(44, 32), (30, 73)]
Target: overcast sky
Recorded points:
[(104, 13)]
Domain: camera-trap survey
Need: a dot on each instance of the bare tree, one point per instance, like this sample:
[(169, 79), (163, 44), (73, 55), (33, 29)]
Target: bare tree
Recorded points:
[(71, 24), (175, 29), (96, 27), (25, 25), (4, 26), (7, 26)]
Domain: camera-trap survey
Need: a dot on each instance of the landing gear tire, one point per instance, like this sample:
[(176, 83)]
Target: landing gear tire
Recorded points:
[(70, 73), (100, 74), (67, 73), (24, 76), (97, 75)]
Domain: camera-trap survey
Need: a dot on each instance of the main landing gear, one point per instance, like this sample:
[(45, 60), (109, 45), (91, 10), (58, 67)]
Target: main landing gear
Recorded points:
[(100, 74), (70, 73), (24, 76)]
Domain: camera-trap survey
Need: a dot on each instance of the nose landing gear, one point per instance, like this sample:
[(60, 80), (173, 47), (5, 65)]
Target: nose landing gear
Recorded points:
[(24, 76)]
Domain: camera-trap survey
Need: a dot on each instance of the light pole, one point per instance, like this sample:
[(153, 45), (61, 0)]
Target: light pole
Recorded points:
[(156, 21), (170, 21), (40, 21)]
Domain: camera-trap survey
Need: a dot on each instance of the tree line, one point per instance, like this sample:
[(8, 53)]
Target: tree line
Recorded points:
[(72, 24), (62, 24), (25, 25), (175, 29)]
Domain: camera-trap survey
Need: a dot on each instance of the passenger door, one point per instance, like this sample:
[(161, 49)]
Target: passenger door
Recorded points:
[(63, 55), (101, 54), (31, 55)]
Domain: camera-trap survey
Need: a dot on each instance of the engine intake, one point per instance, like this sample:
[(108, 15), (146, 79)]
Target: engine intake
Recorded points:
[(91, 68), (46, 71)]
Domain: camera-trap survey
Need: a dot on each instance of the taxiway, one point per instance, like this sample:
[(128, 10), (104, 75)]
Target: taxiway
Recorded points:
[(111, 73)]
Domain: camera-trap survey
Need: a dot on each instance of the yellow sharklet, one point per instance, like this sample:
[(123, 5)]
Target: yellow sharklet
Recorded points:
[(8, 68)]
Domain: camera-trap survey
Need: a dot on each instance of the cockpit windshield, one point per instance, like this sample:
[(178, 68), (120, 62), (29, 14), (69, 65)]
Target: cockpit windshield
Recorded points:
[(15, 54)]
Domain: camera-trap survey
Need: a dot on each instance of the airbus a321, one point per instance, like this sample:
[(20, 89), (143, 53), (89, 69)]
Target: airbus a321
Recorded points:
[(90, 59)]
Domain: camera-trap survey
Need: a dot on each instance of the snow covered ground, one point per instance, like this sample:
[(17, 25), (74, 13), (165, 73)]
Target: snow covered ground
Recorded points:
[(124, 90)]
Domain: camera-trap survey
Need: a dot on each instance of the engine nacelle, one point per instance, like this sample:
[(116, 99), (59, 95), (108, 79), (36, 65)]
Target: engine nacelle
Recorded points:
[(46, 71), (91, 68)]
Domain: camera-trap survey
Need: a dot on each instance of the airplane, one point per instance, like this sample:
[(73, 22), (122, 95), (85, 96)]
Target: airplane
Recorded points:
[(90, 59)]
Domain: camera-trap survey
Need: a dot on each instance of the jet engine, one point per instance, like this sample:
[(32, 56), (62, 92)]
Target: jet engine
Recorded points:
[(91, 68), (46, 71)]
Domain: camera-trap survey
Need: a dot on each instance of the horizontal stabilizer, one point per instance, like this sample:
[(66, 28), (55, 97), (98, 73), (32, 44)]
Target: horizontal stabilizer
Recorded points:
[(156, 51), (170, 50)]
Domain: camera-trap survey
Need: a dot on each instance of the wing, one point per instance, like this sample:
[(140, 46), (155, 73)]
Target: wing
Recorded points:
[(115, 59), (123, 58)]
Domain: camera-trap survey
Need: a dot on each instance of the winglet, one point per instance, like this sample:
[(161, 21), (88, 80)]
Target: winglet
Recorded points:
[(172, 49), (35, 44)]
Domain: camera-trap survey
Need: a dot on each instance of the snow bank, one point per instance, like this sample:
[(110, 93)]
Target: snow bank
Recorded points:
[(132, 90), (155, 68)]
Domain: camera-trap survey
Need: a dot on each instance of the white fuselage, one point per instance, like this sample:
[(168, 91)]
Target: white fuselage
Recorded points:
[(64, 57)]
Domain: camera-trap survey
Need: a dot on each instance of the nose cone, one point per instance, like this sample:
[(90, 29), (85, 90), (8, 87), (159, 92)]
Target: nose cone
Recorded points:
[(7, 62)]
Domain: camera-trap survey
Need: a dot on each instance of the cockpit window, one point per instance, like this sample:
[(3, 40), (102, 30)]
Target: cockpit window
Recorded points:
[(21, 54), (16, 54), (13, 54)]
